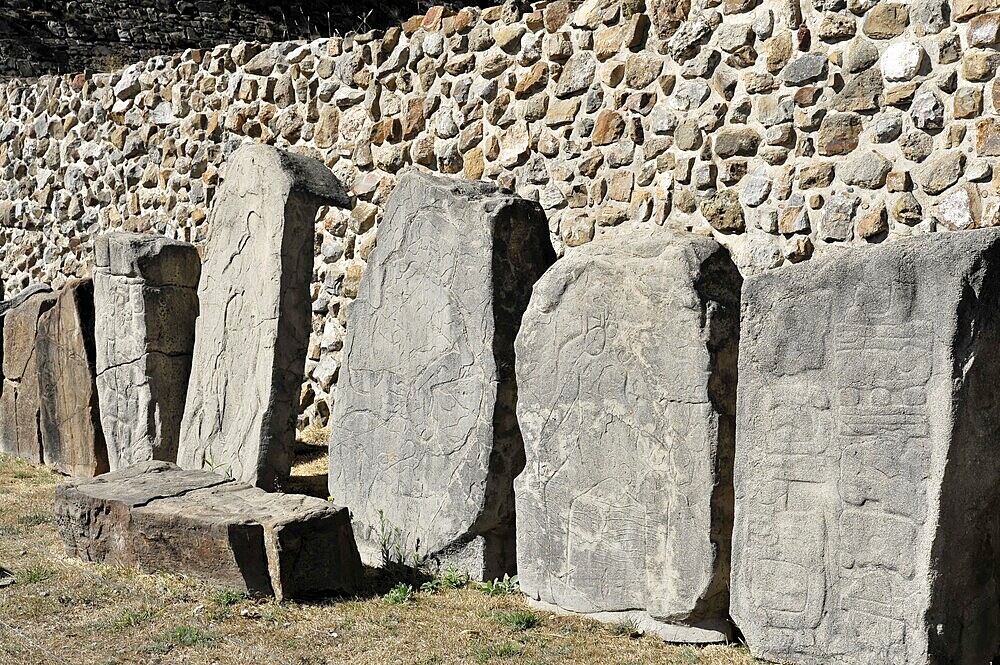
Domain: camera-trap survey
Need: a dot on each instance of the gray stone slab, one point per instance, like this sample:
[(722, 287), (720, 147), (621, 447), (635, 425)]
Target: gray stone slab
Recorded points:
[(424, 442), (626, 372), (69, 416), (161, 518), (19, 399), (254, 321), (866, 480), (146, 301)]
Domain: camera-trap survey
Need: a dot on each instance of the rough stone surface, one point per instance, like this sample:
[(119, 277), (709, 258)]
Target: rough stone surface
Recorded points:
[(69, 415), (425, 443), (866, 411), (161, 518), (626, 401), (253, 326), (19, 401), (145, 296)]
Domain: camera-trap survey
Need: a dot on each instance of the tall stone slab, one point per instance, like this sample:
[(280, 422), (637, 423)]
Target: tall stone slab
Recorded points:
[(146, 301), (19, 398), (69, 415), (424, 442), (867, 528), (626, 373), (254, 321)]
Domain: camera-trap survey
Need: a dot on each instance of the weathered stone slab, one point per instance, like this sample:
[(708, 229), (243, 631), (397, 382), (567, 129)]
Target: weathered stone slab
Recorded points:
[(162, 518), (69, 416), (866, 480), (146, 301), (254, 324), (424, 442), (626, 372), (19, 400)]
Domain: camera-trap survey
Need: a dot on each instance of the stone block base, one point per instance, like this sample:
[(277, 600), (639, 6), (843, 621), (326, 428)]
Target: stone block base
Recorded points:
[(161, 518)]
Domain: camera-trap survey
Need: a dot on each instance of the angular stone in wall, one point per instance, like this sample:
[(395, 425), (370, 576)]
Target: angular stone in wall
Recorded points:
[(69, 416), (254, 321), (626, 373), (19, 403), (867, 529), (161, 518), (146, 301), (424, 442)]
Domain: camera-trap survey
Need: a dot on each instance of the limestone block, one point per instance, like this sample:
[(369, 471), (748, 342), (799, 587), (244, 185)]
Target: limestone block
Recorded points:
[(424, 442), (19, 399), (866, 481), (626, 372), (159, 517), (253, 327), (69, 417), (146, 301)]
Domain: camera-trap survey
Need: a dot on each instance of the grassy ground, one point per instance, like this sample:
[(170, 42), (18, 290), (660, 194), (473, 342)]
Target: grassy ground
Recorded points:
[(59, 610)]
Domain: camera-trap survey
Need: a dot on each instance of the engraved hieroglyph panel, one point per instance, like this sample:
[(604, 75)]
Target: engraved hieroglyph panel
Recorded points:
[(847, 460)]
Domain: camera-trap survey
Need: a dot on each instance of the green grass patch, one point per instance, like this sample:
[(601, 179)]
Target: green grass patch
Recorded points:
[(517, 619), (37, 574), (188, 636)]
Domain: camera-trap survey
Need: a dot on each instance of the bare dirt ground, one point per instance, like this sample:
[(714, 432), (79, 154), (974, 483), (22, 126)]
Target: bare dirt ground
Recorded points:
[(56, 610)]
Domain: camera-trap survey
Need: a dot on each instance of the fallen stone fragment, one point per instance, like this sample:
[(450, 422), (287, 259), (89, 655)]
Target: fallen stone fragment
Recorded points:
[(69, 416), (865, 488), (161, 518), (626, 400), (254, 322), (146, 302), (424, 442), (19, 400)]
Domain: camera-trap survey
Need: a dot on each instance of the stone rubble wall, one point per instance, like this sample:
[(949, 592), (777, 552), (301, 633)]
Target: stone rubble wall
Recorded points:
[(782, 128)]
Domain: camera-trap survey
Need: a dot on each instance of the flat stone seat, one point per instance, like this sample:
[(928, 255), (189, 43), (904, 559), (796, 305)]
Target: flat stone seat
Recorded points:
[(161, 518)]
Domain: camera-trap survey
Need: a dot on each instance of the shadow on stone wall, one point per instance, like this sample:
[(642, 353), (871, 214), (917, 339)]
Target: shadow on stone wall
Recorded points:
[(64, 36)]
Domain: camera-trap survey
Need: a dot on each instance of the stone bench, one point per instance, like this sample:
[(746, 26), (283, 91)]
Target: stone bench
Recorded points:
[(159, 517)]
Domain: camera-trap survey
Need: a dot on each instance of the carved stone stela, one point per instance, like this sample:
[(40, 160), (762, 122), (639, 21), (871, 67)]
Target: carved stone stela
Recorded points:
[(626, 398), (861, 382), (254, 322), (424, 444)]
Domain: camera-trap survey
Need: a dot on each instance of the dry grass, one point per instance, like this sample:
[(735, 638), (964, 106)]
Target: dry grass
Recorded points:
[(61, 610)]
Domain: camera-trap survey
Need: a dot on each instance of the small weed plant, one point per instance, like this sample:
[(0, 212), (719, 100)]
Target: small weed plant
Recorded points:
[(400, 594), (508, 586), (130, 618), (626, 628), (228, 597)]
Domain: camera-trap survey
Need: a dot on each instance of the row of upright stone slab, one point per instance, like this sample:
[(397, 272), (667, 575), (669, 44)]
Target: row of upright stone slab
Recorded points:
[(841, 501), (211, 379), (94, 374)]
